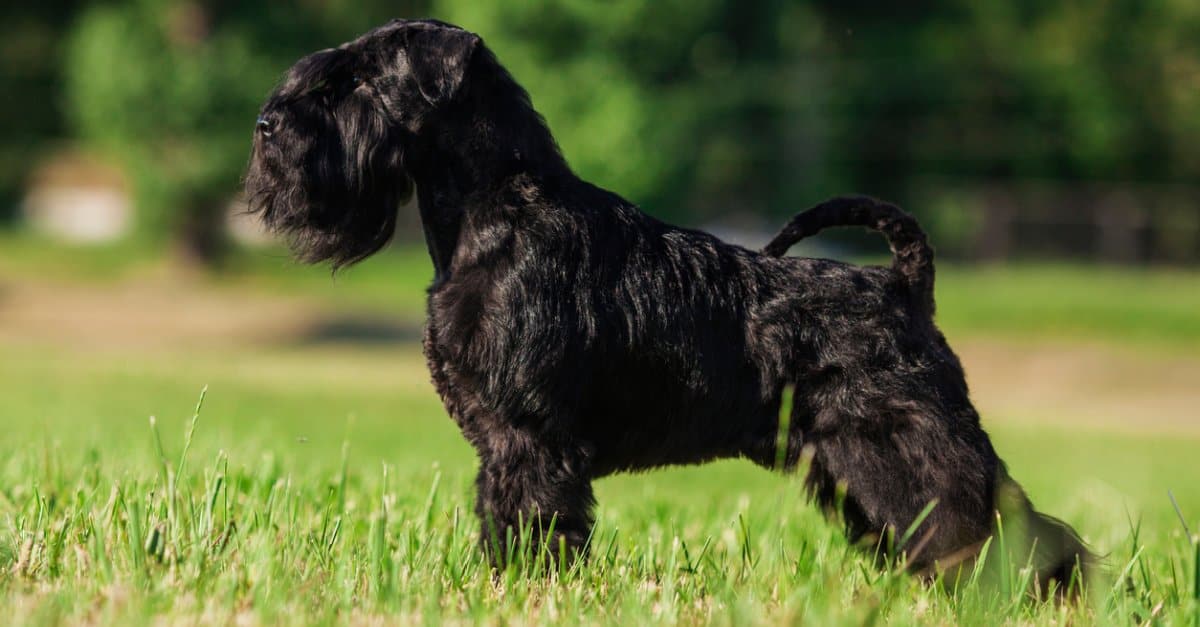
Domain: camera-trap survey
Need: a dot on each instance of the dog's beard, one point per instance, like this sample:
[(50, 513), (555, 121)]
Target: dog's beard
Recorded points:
[(331, 187)]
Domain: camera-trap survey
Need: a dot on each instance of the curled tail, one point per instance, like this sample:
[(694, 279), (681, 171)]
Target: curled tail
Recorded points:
[(912, 255)]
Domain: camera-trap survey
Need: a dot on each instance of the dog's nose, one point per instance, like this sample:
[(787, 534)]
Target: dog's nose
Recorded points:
[(265, 125)]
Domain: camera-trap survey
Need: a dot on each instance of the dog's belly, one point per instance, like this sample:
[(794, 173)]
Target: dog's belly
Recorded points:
[(641, 414)]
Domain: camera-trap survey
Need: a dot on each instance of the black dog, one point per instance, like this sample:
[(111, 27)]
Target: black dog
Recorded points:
[(571, 336)]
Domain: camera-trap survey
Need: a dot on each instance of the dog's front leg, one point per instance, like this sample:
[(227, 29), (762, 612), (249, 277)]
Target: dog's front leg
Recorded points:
[(538, 485)]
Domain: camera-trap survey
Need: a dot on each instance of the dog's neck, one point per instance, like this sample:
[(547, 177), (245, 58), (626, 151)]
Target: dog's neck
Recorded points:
[(460, 170)]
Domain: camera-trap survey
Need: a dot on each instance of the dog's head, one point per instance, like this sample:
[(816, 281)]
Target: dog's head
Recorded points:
[(328, 163)]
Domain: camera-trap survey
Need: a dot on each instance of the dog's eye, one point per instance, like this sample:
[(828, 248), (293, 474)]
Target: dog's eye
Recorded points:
[(356, 80)]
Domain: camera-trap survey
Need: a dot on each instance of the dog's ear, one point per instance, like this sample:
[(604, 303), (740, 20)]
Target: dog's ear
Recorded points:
[(438, 57)]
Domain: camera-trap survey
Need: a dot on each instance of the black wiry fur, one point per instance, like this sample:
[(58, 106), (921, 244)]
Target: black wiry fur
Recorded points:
[(572, 336)]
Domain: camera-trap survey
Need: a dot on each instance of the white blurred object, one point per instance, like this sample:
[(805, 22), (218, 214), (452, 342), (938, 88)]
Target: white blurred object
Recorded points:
[(79, 213), (244, 227), (78, 197)]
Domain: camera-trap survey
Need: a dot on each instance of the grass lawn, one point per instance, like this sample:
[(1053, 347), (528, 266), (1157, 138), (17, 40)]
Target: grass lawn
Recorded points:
[(324, 482)]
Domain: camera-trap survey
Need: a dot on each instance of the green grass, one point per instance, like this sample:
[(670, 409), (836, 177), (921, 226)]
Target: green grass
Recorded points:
[(326, 484), (1148, 307)]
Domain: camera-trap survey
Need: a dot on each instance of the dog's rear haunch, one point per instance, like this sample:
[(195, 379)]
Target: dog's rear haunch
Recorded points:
[(572, 336)]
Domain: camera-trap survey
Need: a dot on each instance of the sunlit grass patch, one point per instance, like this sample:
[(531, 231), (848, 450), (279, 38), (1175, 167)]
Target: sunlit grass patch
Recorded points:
[(181, 528)]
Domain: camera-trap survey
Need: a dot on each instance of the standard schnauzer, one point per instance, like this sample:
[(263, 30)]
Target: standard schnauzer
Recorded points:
[(572, 336)]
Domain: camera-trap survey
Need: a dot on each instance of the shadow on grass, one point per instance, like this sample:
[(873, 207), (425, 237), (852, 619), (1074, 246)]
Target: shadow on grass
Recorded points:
[(357, 329)]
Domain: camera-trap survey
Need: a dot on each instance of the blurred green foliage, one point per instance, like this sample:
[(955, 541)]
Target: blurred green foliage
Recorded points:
[(1070, 90), (693, 109), (170, 89), (30, 109)]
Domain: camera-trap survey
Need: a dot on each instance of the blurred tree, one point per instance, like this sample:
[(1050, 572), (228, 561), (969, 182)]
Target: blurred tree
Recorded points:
[(171, 89), (692, 108), (31, 35), (962, 92)]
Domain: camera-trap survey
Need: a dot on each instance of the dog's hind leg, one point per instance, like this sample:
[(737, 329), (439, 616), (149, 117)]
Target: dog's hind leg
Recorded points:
[(534, 484)]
